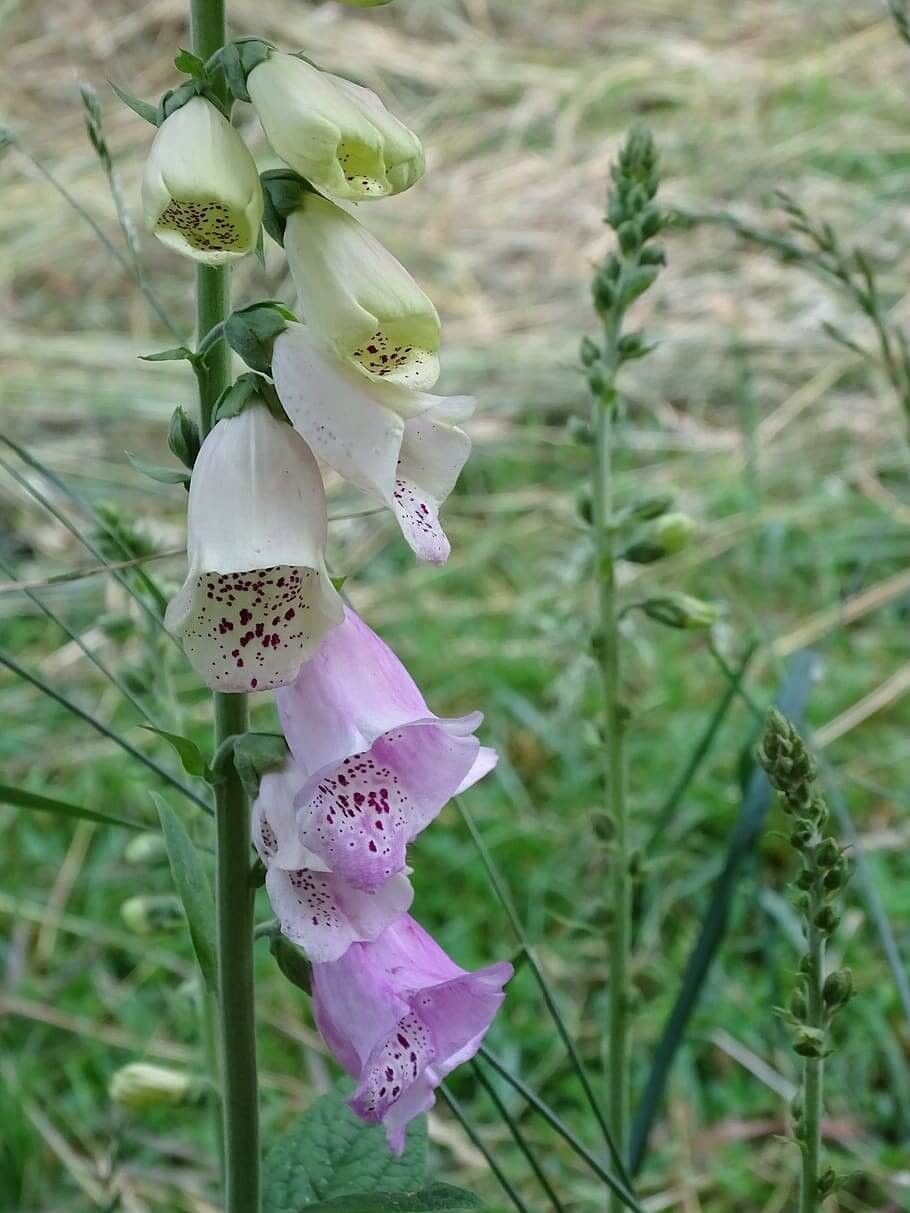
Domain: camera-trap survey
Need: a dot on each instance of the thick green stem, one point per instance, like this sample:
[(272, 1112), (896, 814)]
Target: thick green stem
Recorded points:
[(614, 761), (234, 893), (813, 1075)]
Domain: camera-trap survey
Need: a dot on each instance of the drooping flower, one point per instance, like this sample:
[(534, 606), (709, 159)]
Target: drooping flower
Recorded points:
[(399, 446), (378, 764), (200, 188), (257, 599), (316, 908), (335, 133), (400, 1015), (355, 296)]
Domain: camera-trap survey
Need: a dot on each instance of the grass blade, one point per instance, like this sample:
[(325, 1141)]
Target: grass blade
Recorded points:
[(517, 1136), (24, 799), (504, 1182), (791, 700), (39, 683)]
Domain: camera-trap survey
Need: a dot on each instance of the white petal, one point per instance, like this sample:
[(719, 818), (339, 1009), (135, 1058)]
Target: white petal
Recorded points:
[(257, 599)]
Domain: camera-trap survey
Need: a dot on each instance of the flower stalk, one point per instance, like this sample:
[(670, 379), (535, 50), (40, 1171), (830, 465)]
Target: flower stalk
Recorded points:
[(624, 276), (234, 892)]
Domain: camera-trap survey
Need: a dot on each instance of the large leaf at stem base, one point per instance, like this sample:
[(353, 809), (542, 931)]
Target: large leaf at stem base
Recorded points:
[(329, 1153)]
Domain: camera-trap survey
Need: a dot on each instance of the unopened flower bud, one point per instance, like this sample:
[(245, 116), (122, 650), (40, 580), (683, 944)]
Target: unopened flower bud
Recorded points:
[(146, 850), (809, 1042), (801, 835), (336, 134), (633, 345), (798, 1003), (828, 854), (365, 3), (651, 507), (579, 430), (200, 188), (644, 551), (836, 877), (629, 236), (674, 531), (140, 1085), (827, 1182), (681, 611), (838, 989), (585, 506), (291, 961), (590, 351), (151, 915), (827, 919)]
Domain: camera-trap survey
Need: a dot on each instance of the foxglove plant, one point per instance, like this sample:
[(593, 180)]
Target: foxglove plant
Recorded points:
[(370, 765)]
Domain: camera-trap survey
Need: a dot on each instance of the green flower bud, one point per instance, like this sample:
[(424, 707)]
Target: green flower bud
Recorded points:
[(681, 611), (644, 551), (628, 235), (837, 877), (674, 531), (151, 915), (141, 1085), (651, 507), (828, 854), (827, 920), (809, 1042), (801, 836), (146, 850), (590, 351), (827, 1182), (291, 961), (838, 989), (585, 506), (579, 430), (798, 1003)]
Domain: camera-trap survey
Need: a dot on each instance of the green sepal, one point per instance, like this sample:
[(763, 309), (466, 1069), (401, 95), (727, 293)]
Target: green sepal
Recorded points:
[(233, 71), (143, 108), (251, 332), (156, 471), (183, 438), (179, 353), (338, 582), (291, 961), (187, 751), (234, 399), (185, 61), (281, 192), (237, 59), (255, 754)]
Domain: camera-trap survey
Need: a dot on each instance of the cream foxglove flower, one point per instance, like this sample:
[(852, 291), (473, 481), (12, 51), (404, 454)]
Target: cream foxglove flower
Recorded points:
[(335, 133), (357, 297), (401, 447), (257, 599), (200, 189)]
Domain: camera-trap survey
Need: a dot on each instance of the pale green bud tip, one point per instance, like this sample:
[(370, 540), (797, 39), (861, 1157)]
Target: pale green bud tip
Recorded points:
[(148, 915), (365, 3), (809, 1042), (140, 1085), (674, 531), (145, 849), (682, 611)]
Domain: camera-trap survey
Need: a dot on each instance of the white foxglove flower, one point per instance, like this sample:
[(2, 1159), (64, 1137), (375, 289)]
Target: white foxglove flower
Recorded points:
[(335, 133), (355, 295), (401, 447), (257, 599), (200, 189)]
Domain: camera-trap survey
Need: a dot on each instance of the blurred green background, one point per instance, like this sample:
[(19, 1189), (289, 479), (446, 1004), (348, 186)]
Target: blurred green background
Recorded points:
[(790, 450)]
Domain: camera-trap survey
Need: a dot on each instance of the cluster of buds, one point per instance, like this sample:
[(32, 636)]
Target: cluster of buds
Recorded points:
[(367, 765), (824, 871)]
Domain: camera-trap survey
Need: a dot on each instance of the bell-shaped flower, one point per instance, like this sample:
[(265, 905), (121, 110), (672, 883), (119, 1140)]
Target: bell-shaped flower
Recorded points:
[(316, 909), (400, 1015), (335, 133), (356, 297), (257, 599), (378, 765), (401, 447), (200, 188)]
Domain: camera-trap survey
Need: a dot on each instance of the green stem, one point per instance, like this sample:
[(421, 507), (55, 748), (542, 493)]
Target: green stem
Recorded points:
[(813, 1075), (614, 769), (234, 892)]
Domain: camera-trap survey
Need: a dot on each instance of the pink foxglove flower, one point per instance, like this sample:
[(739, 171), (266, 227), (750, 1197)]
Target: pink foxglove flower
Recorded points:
[(257, 599), (316, 909), (400, 1015), (378, 764), (402, 447)]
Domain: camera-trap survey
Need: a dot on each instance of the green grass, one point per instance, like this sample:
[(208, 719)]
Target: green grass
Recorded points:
[(522, 107)]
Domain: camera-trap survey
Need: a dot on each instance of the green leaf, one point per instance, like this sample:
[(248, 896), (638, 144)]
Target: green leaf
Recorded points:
[(436, 1196), (254, 755), (187, 751), (142, 108), (192, 884), (328, 1152), (179, 353), (49, 804), (192, 65), (157, 471)]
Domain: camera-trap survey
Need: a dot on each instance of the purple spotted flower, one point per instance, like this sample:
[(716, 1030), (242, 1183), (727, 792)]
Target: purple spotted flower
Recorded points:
[(400, 1015), (377, 765), (316, 909)]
